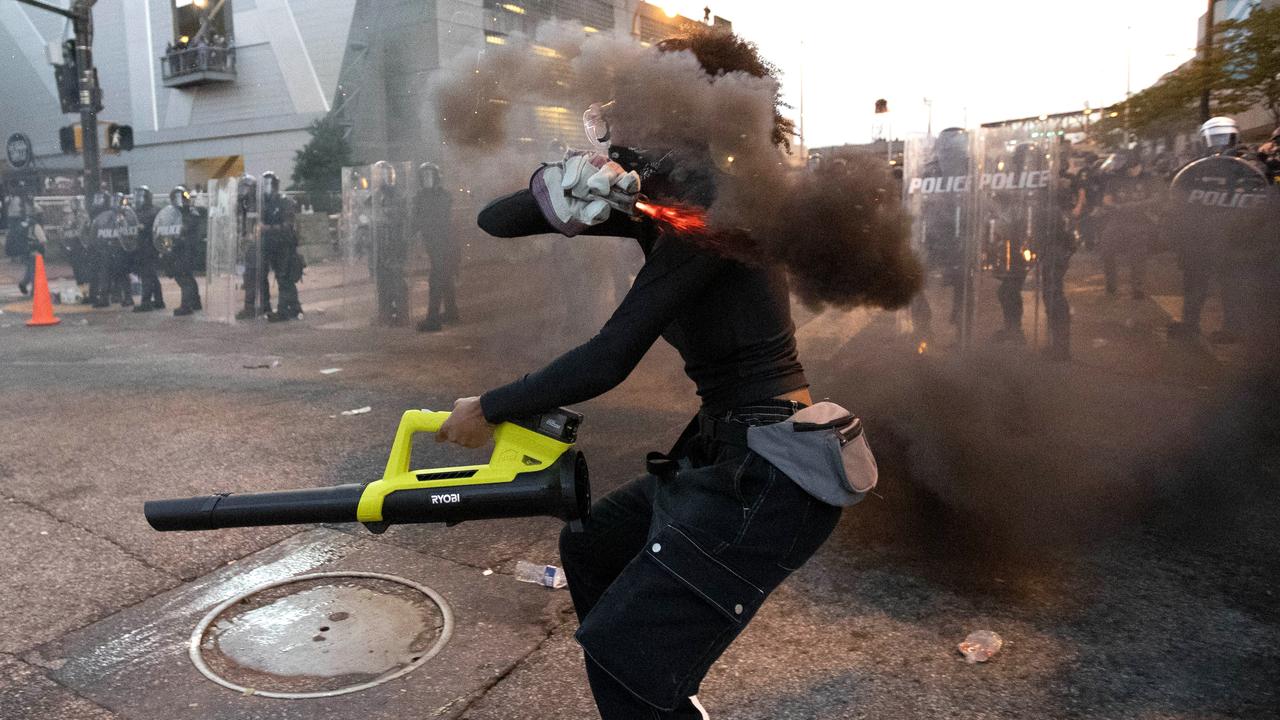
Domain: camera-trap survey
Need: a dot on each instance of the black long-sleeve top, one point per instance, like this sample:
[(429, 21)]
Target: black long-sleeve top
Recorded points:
[(731, 323)]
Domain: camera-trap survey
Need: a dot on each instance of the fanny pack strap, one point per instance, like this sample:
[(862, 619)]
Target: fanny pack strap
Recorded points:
[(722, 431)]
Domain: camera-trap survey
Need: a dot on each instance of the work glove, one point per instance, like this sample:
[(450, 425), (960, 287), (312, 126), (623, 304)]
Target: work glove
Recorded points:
[(581, 190)]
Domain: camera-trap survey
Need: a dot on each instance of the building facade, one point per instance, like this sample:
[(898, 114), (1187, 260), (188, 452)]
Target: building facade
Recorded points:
[(218, 88)]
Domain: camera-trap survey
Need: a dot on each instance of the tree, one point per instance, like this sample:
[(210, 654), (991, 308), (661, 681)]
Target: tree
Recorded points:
[(1169, 107), (1241, 71), (317, 167), (1251, 52)]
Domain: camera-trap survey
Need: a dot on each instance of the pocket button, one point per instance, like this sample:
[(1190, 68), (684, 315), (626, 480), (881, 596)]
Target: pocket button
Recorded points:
[(657, 547), (737, 609)]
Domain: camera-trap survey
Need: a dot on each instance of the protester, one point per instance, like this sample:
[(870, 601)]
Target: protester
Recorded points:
[(650, 631)]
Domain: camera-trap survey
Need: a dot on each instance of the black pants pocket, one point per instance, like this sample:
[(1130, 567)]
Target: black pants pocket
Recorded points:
[(817, 521), (667, 617)]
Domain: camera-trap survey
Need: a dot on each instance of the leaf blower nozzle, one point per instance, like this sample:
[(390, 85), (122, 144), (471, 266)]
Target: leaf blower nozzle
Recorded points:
[(533, 471)]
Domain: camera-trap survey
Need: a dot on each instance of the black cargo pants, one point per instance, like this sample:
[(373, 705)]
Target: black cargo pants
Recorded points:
[(672, 566)]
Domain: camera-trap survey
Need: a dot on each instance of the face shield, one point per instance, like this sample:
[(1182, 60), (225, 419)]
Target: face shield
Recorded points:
[(1220, 133), (384, 173), (1220, 140), (595, 122), (428, 176), (1115, 163)]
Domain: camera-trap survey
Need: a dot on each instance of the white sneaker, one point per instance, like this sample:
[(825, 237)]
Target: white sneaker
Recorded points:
[(694, 699)]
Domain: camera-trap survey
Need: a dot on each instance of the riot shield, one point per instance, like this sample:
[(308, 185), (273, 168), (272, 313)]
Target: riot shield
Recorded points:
[(937, 187), (377, 245), (1222, 213), (223, 264), (355, 249), (255, 281), (1017, 219)]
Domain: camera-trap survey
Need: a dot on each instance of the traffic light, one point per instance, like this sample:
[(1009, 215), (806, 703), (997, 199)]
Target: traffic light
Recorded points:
[(71, 139), (119, 138), (67, 77)]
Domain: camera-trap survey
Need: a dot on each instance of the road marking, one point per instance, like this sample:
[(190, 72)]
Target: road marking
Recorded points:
[(827, 333)]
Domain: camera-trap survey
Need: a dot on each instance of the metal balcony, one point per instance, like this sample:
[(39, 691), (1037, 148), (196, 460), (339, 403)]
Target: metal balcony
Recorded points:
[(198, 66)]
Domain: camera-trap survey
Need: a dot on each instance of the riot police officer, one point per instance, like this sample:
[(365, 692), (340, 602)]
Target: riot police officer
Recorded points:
[(1008, 248), (257, 285), (1269, 155), (1220, 204), (115, 238), (279, 250), (76, 239), (433, 207), (174, 234), (1053, 250), (1127, 219), (946, 224), (1088, 184), (391, 251), (144, 258), (94, 257)]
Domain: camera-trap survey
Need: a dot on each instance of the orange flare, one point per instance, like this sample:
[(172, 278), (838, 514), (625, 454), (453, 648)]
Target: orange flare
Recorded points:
[(682, 219)]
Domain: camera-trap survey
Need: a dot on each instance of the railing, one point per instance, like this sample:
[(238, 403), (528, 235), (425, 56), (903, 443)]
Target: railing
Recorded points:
[(202, 63)]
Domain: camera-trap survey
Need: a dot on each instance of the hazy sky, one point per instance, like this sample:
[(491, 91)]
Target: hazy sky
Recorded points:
[(996, 58)]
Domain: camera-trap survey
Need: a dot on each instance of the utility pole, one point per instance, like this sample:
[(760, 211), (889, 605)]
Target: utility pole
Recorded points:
[(81, 16), (1208, 49), (82, 24)]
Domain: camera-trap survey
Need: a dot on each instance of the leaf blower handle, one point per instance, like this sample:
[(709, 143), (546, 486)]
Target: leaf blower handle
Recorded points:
[(411, 423)]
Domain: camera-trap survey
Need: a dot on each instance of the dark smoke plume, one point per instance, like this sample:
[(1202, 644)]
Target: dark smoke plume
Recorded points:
[(842, 237)]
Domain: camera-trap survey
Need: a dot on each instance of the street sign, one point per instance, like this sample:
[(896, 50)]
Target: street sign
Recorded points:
[(18, 150)]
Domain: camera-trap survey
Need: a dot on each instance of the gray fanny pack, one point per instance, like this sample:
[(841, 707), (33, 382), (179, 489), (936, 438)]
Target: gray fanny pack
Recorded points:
[(823, 449)]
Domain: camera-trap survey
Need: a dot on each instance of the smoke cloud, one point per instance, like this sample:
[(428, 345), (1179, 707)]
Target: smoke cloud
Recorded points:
[(842, 235)]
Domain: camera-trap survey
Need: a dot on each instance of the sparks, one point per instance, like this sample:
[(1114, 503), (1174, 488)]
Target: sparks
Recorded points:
[(681, 218)]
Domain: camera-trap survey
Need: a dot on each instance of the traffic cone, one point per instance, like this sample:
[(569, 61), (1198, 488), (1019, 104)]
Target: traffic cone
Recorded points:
[(41, 303)]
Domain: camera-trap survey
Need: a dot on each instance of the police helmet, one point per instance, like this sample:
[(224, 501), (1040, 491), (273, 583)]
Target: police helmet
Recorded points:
[(429, 175), (270, 183), (100, 201), (1220, 133), (953, 142), (142, 196), (384, 173), (179, 197), (1120, 161)]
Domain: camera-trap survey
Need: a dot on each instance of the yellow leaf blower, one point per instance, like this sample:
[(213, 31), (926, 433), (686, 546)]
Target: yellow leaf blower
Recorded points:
[(533, 471)]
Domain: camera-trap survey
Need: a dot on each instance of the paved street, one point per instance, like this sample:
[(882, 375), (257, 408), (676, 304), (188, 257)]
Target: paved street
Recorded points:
[(1112, 518)]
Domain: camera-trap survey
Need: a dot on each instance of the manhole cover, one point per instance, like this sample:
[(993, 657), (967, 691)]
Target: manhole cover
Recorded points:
[(321, 635)]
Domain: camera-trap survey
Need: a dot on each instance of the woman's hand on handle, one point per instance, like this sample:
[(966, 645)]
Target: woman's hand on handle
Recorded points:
[(466, 425)]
